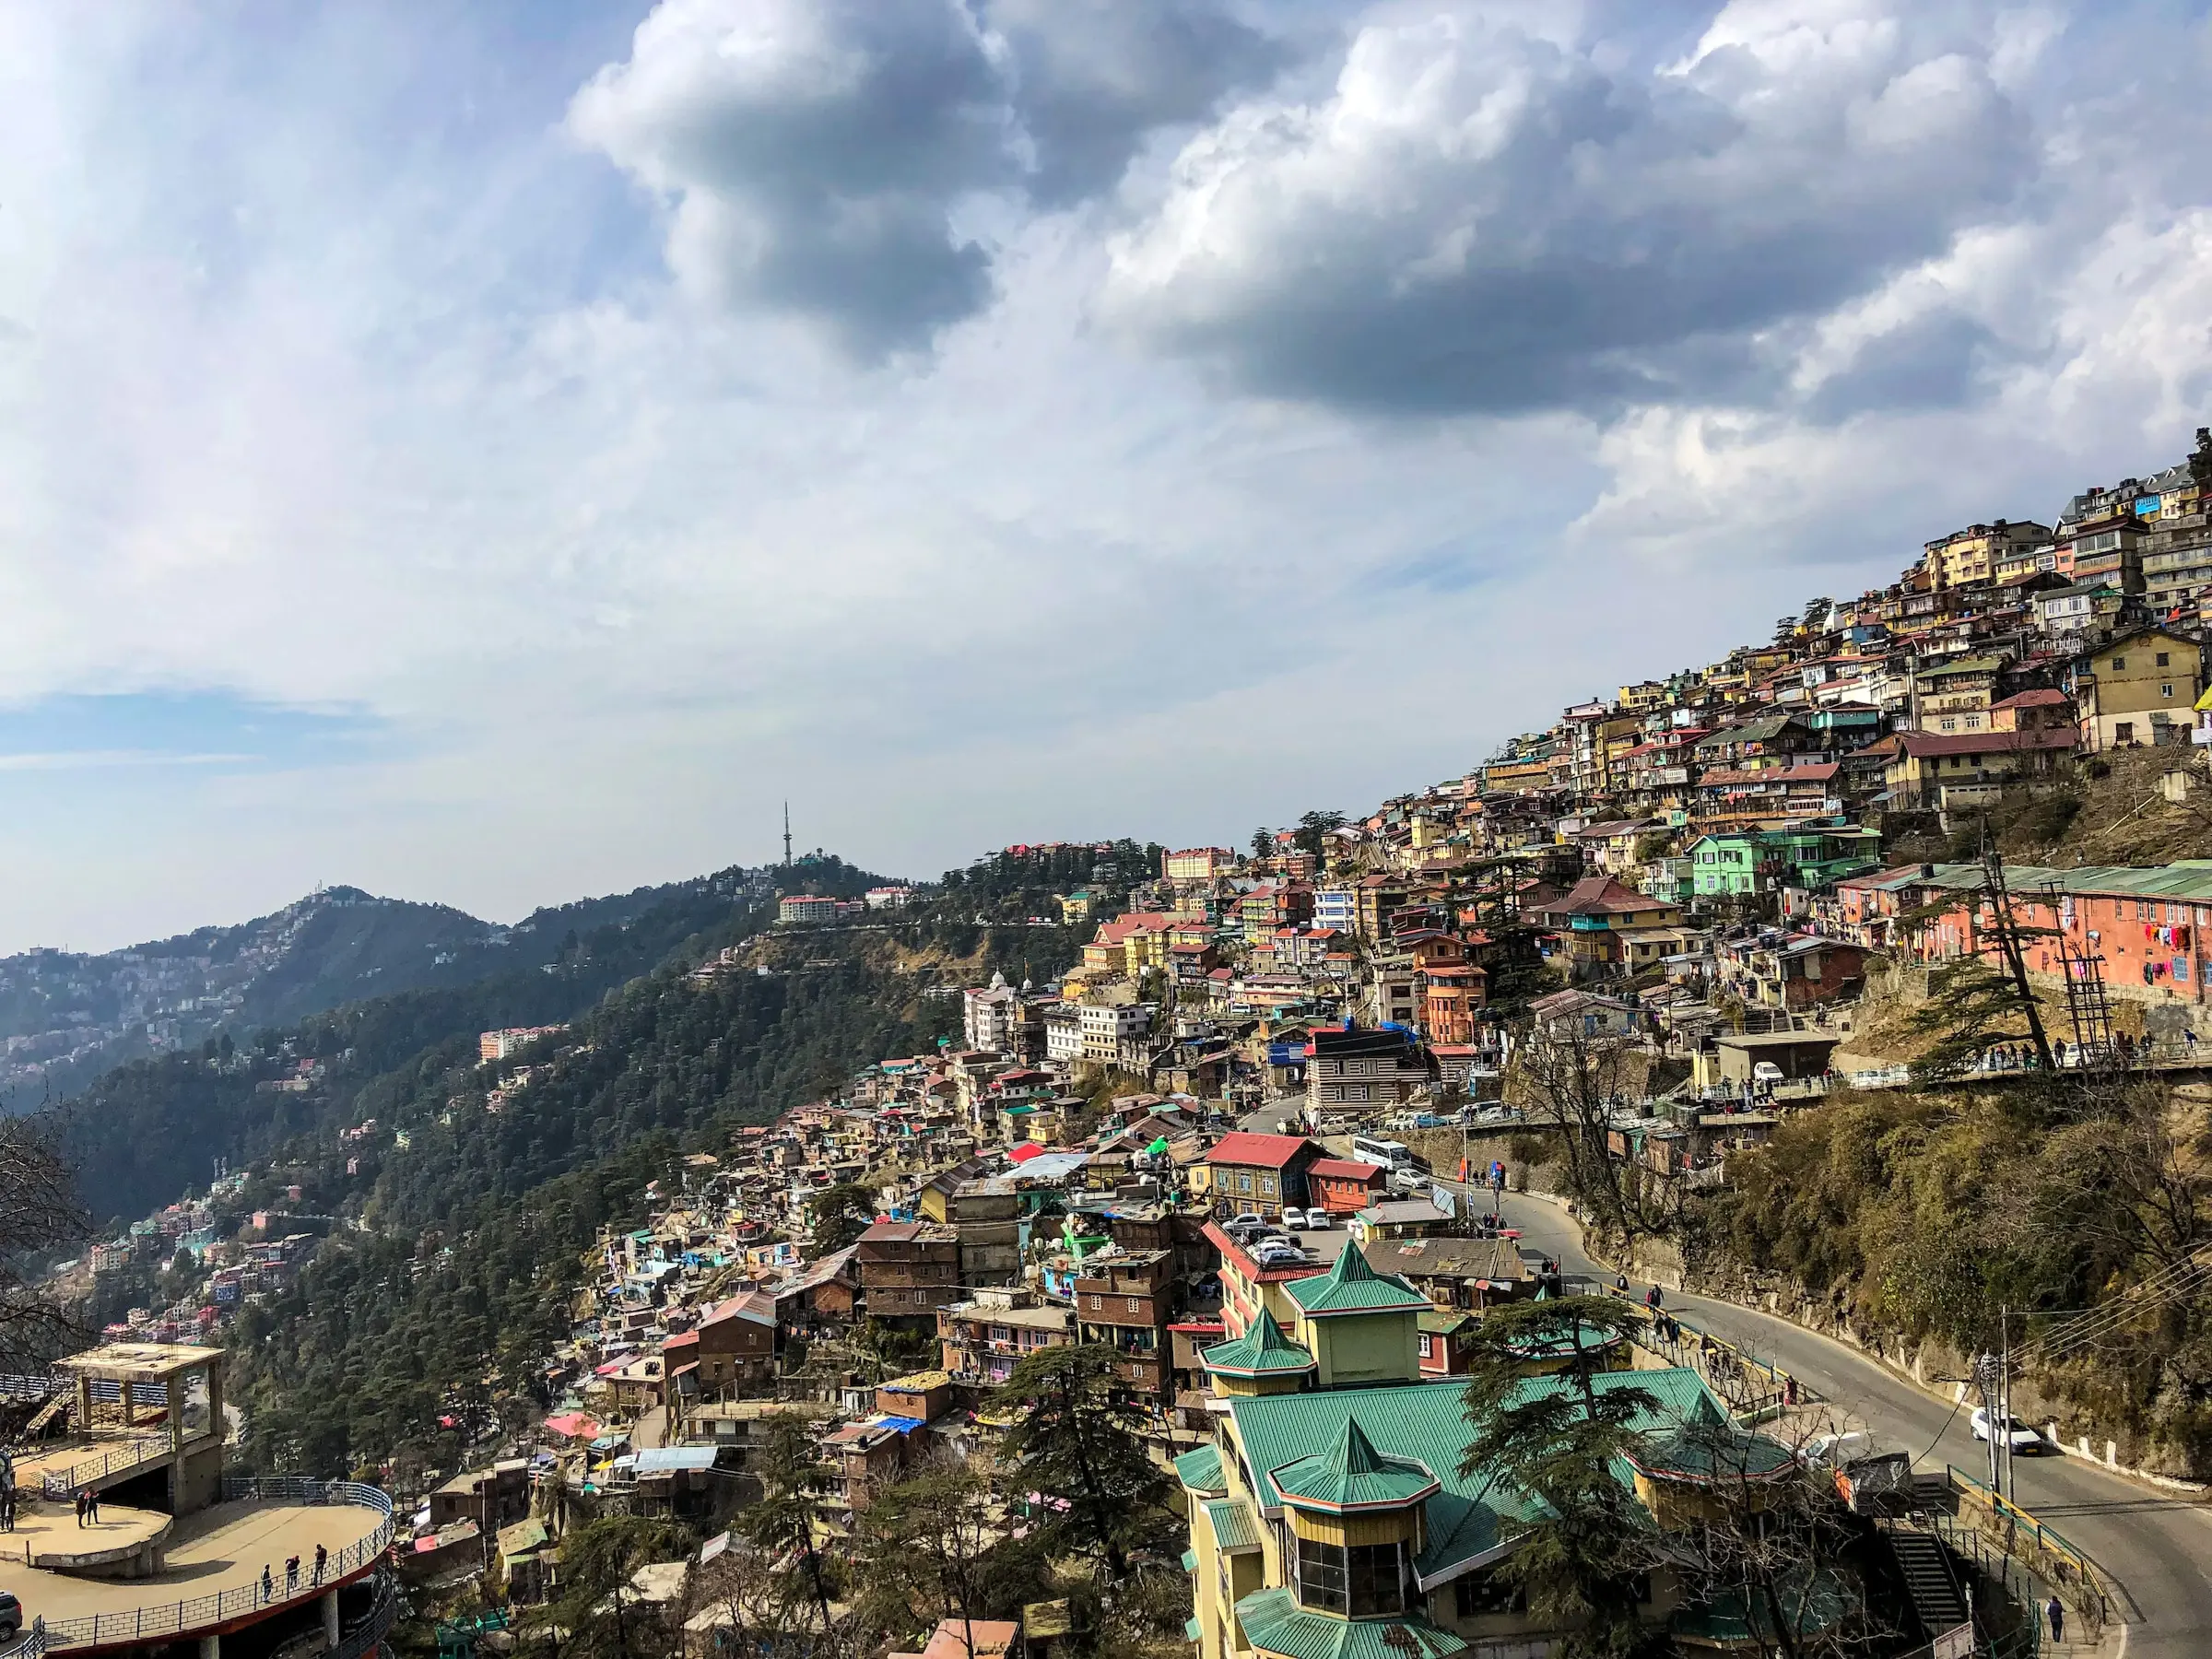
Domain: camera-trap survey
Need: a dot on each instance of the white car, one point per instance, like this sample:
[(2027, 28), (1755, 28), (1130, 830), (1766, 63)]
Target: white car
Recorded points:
[(2019, 1436), (1766, 1072), (1277, 1252), (1403, 1180), (1295, 1220), (1319, 1220)]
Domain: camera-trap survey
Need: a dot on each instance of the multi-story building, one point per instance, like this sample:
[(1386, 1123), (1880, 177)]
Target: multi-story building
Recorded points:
[(1329, 1516), (1261, 1172), (1196, 865), (2137, 688), (987, 1015), (1109, 1028), (1355, 1069), (908, 1270), (805, 908), (985, 1336), (1973, 554), (1125, 1299)]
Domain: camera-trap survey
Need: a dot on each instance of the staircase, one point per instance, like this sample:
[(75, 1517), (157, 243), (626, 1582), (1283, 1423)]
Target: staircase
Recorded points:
[(1930, 1583), (62, 1402)]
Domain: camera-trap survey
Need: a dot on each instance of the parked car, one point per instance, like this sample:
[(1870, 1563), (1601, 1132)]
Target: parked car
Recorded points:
[(1277, 1252), (2019, 1437), (1319, 1220), (1766, 1074), (1407, 1181), (1245, 1222), (11, 1616), (1294, 1219)]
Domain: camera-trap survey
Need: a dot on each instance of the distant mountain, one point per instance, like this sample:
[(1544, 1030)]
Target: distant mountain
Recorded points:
[(68, 1017)]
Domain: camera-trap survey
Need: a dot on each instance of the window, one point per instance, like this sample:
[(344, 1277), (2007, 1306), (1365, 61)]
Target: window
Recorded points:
[(1361, 1581), (2124, 732), (2162, 658), (1474, 1594), (2118, 662), (2166, 691), (1096, 1302), (1426, 1345), (1135, 1305)]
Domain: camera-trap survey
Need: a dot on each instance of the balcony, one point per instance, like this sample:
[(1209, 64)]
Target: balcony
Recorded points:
[(217, 1555)]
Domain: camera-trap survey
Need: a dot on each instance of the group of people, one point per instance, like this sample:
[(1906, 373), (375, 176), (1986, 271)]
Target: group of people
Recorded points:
[(291, 1574), (87, 1507)]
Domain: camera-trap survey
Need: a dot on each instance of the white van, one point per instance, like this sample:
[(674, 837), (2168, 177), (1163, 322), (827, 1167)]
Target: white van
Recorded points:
[(1389, 1154)]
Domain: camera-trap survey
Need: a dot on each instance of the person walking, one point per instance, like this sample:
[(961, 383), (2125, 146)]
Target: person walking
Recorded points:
[(268, 1583), (322, 1558), (92, 1505), (80, 1506), (291, 1574), (2055, 1611)]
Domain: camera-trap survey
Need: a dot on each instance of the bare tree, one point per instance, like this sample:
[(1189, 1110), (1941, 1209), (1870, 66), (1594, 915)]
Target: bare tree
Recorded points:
[(41, 1215), (1573, 1083)]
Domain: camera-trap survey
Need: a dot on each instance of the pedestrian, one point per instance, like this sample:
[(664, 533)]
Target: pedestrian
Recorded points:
[(322, 1556), (268, 1583), (291, 1574), (92, 1506), (2055, 1611), (80, 1506), (1621, 1284)]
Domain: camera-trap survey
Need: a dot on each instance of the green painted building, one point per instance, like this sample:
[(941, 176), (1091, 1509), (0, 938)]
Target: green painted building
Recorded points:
[(1746, 863)]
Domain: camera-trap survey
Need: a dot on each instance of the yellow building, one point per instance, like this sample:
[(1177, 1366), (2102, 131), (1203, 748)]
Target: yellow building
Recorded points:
[(2138, 689), (1328, 1517), (1974, 553)]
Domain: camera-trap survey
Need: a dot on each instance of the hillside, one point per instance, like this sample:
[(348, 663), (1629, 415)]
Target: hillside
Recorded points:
[(65, 1018), (145, 1129)]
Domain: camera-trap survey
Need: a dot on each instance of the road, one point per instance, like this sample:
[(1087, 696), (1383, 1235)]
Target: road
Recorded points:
[(2156, 1546)]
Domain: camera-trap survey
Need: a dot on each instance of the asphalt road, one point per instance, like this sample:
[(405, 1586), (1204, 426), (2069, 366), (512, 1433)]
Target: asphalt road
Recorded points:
[(2155, 1545)]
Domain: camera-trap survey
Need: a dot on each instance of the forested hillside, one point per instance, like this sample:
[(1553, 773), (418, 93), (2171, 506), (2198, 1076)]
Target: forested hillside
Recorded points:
[(147, 1129)]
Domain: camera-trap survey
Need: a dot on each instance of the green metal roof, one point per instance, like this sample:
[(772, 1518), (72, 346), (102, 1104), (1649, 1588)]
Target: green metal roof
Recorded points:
[(1351, 1474), (1351, 1286), (1200, 1470), (2188, 880), (1426, 1423), (1261, 1351), (1275, 1623), (1236, 1528), (1190, 1560)]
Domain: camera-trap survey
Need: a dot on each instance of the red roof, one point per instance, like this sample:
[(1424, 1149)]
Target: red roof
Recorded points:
[(1260, 1151), (1023, 1153), (1920, 744), (2032, 700), (1344, 1168)]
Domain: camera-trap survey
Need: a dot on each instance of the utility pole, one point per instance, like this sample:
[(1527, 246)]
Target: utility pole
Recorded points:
[(787, 835), (2009, 942)]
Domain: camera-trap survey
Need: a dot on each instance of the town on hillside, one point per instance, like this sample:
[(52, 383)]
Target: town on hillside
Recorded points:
[(1254, 1173)]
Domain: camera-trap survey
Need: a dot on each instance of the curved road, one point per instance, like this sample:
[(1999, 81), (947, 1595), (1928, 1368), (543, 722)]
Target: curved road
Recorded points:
[(2156, 1546)]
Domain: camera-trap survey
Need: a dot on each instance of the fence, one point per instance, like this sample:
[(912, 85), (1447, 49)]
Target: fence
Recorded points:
[(161, 1619), (2054, 1557), (1751, 1388), (62, 1483)]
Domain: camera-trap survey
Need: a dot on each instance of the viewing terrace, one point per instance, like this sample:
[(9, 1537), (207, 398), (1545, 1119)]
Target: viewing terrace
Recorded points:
[(180, 1553)]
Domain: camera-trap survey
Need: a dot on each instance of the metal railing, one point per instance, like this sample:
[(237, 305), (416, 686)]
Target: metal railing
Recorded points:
[(162, 1619), (1750, 1387), (62, 1483), (2055, 1557)]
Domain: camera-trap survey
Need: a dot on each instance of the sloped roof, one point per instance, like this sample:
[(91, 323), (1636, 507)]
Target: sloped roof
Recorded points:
[(1200, 1470), (1351, 1286), (1351, 1474), (1263, 1151), (1264, 1350), (1274, 1623), (1235, 1526)]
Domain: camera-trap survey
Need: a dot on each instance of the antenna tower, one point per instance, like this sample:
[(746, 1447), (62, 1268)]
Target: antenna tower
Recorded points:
[(787, 835)]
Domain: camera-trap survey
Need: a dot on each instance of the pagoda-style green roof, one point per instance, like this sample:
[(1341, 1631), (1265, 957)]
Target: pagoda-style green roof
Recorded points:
[(1263, 1351), (1200, 1472), (1351, 1286), (1275, 1623), (1351, 1474)]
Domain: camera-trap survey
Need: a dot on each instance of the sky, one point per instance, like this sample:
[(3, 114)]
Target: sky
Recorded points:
[(496, 454)]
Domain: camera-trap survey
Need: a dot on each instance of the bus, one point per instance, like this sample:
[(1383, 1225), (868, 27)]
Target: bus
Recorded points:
[(1389, 1154)]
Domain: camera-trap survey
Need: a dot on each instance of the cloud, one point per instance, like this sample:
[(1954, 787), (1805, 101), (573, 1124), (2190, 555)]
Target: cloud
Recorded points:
[(836, 160), (1477, 216)]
